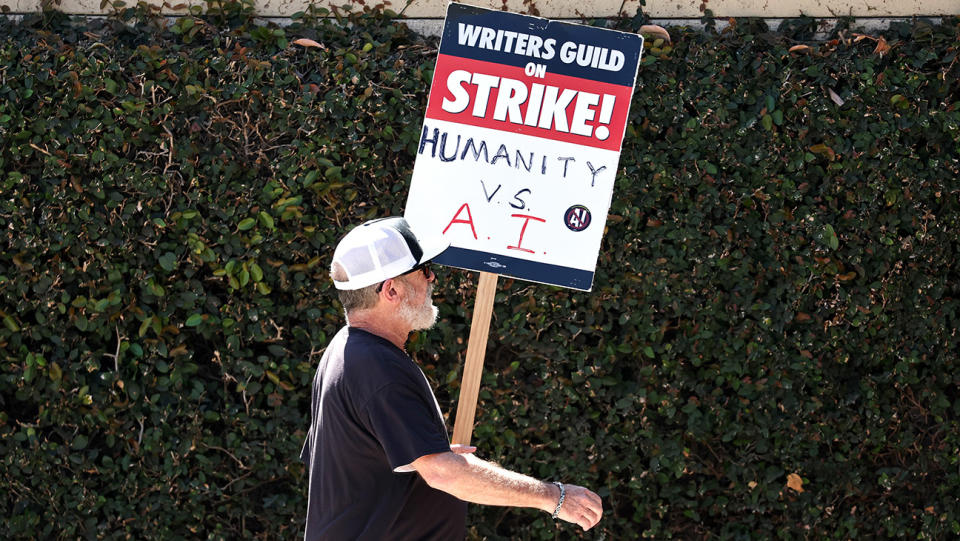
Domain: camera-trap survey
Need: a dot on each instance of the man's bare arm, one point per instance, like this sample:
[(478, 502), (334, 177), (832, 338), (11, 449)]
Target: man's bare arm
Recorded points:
[(474, 480)]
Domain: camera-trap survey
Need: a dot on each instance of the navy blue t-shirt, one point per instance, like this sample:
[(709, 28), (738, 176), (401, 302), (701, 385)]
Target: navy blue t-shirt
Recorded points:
[(372, 414)]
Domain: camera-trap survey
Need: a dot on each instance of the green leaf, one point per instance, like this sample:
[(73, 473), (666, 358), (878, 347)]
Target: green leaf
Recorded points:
[(168, 261), (891, 197), (56, 373), (777, 117), (266, 220), (194, 320), (256, 272), (246, 224), (288, 201), (11, 324), (767, 122), (144, 327), (79, 442), (311, 177), (830, 237)]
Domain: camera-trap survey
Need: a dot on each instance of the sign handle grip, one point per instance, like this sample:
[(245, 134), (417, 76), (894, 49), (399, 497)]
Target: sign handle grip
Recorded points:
[(476, 350)]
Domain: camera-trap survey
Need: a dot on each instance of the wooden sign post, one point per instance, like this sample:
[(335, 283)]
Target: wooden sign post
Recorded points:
[(476, 351)]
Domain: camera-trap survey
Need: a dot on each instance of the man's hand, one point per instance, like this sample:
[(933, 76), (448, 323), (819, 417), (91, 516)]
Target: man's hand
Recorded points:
[(471, 479), (580, 506)]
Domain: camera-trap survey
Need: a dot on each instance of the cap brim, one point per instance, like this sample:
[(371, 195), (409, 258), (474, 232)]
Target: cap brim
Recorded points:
[(432, 248)]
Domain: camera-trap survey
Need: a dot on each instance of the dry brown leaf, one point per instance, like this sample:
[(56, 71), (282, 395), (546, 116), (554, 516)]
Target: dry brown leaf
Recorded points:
[(882, 47), (824, 150), (304, 42), (654, 30), (834, 97), (795, 482), (800, 49)]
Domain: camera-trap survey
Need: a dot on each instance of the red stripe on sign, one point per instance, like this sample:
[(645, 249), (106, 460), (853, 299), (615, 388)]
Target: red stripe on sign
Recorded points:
[(549, 106)]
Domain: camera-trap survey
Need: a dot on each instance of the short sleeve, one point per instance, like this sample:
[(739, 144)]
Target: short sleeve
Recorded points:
[(405, 423), (305, 450)]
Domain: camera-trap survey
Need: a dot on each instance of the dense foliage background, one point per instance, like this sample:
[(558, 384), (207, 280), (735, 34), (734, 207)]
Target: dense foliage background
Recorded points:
[(770, 349)]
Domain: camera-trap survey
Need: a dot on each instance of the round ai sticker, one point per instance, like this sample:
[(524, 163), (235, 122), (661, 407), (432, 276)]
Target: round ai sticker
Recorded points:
[(577, 218)]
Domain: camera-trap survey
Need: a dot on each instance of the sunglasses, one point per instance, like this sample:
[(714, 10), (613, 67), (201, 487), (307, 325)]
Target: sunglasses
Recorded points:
[(422, 267)]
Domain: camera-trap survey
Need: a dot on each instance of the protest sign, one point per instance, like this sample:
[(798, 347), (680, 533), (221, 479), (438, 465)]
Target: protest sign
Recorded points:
[(518, 155), (520, 144)]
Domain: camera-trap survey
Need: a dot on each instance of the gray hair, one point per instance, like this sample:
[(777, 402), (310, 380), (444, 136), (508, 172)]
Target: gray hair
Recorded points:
[(357, 299)]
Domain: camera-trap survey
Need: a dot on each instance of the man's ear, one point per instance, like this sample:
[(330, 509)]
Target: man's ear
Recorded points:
[(392, 290)]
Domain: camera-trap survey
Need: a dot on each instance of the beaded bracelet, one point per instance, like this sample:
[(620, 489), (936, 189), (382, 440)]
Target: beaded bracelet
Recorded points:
[(563, 494)]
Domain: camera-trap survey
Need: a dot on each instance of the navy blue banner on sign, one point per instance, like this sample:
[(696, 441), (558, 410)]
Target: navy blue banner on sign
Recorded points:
[(516, 268), (517, 40)]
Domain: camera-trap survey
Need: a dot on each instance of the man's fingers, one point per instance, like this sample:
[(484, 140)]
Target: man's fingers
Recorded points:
[(586, 520), (592, 507), (588, 499), (594, 499), (590, 517), (582, 507)]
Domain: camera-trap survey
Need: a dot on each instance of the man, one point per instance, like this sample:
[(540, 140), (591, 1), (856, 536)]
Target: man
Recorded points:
[(379, 459)]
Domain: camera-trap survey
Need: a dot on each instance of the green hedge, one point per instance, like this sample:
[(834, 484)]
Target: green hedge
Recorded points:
[(769, 350)]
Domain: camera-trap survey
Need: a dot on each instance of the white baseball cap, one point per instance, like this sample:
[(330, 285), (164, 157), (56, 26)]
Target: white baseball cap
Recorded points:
[(380, 249)]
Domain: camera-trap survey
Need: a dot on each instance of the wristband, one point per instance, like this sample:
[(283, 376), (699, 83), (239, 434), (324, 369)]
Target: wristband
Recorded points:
[(563, 494)]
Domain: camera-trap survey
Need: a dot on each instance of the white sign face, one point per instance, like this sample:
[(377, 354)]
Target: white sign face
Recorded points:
[(520, 146)]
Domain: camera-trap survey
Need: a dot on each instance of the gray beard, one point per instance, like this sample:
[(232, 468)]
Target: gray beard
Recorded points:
[(420, 317)]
